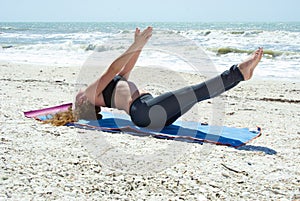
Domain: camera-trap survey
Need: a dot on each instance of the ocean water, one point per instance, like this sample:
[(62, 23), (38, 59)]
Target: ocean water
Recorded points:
[(70, 44)]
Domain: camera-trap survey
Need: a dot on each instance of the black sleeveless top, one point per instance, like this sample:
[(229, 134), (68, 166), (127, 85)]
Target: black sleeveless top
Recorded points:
[(108, 92)]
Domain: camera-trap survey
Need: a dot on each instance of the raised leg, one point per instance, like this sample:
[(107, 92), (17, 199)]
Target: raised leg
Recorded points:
[(168, 107)]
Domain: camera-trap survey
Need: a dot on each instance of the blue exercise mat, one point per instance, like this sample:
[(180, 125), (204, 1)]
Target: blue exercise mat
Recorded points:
[(179, 130)]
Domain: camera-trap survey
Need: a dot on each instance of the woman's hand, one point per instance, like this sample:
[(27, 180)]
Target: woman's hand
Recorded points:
[(141, 38)]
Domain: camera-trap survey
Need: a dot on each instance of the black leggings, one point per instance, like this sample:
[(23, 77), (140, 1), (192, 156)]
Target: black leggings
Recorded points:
[(157, 112)]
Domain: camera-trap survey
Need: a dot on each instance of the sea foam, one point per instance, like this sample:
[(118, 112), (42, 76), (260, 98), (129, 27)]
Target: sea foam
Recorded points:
[(223, 43)]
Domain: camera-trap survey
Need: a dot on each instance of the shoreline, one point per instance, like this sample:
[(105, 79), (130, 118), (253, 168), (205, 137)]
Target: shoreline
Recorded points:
[(223, 43), (39, 160), (79, 66)]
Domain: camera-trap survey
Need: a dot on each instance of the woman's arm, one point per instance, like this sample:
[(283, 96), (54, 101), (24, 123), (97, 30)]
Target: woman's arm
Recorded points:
[(125, 72), (118, 66)]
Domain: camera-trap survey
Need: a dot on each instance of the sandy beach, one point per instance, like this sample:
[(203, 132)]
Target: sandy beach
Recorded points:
[(42, 162)]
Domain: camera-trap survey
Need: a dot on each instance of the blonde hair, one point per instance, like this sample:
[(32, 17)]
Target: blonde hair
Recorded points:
[(86, 110)]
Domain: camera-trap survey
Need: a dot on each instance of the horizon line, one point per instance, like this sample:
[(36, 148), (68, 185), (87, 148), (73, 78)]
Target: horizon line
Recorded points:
[(208, 21)]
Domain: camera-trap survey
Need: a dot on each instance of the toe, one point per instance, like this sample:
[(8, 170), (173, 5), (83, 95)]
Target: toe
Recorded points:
[(261, 53), (256, 53)]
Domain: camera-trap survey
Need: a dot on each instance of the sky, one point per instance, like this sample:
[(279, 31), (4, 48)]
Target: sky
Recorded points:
[(150, 10)]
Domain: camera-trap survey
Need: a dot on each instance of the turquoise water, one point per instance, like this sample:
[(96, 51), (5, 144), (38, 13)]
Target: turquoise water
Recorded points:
[(224, 43)]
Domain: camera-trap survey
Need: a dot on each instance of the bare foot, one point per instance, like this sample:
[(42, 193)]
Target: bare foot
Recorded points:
[(247, 67)]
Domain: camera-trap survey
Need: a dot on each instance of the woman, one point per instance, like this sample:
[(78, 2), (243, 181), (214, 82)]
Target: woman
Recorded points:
[(113, 89)]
